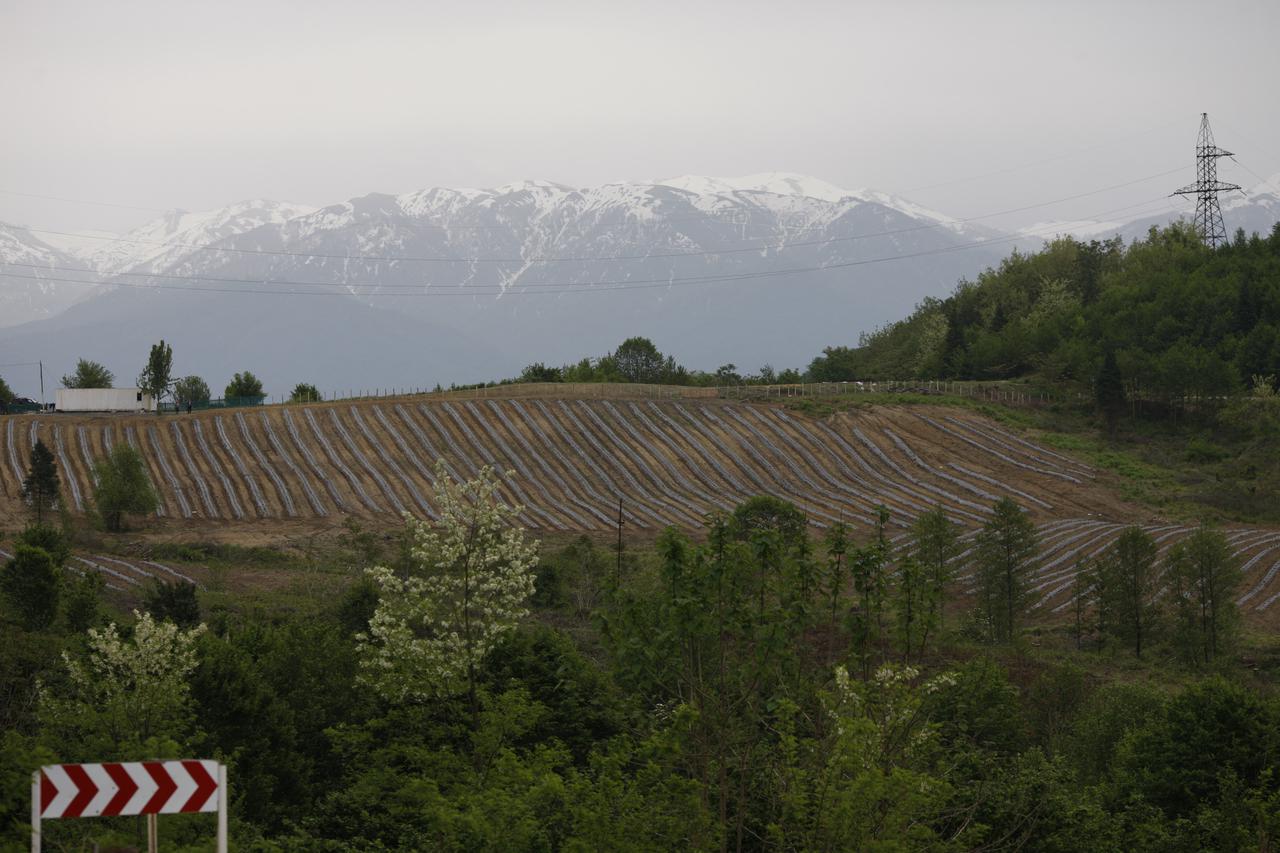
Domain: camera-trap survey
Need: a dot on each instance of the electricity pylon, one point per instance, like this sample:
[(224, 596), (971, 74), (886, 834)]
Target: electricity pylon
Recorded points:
[(1208, 220)]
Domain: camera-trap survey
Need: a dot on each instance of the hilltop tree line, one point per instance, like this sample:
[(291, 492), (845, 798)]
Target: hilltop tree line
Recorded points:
[(157, 379), (756, 689), (638, 359), (1176, 319)]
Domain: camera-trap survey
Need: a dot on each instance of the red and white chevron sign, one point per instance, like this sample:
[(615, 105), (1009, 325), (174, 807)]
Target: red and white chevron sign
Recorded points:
[(132, 788)]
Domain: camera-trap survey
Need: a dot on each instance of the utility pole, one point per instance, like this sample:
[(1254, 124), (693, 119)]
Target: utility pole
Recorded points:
[(1208, 222), (41, 363)]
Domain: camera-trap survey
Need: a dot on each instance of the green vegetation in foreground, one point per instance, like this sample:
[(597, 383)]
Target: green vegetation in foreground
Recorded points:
[(756, 690)]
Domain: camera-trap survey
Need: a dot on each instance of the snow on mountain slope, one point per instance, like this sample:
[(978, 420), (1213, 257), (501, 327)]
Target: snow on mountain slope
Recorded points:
[(763, 268), (790, 184), (777, 183), (158, 244), (28, 269), (1265, 195), (1081, 229)]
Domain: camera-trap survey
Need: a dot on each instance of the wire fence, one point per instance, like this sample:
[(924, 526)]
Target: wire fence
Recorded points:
[(1009, 393)]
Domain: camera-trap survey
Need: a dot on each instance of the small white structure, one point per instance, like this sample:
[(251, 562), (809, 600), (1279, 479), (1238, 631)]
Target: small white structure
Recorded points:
[(105, 400)]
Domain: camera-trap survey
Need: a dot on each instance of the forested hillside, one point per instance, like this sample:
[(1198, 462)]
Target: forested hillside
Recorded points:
[(1183, 321)]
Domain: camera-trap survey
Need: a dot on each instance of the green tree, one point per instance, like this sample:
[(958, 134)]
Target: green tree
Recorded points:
[(122, 487), (727, 374), (129, 698), (6, 393), (719, 636), (304, 392), (176, 602), (638, 360), (869, 568), (935, 543), (1127, 585), (1203, 578), (49, 539), (80, 601), (1178, 759), (1108, 391), (539, 372), (243, 385), (913, 606), (40, 487), (89, 374), (192, 390), (154, 378), (468, 587), (836, 364), (30, 584), (1006, 556), (768, 513), (865, 784), (837, 546)]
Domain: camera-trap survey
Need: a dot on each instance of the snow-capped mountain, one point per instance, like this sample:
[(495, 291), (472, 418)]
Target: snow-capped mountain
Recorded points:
[(764, 268), (1256, 210), (163, 243), (29, 269)]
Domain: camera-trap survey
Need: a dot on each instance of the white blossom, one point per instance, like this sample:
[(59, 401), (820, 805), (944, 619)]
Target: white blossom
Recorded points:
[(472, 575), (128, 691)]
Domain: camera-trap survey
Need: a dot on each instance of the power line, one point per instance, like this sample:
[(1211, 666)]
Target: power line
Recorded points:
[(1266, 181), (1046, 161), (1234, 131), (544, 288), (595, 258), (84, 201)]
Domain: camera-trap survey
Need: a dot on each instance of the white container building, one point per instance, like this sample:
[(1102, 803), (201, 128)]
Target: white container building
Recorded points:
[(105, 400)]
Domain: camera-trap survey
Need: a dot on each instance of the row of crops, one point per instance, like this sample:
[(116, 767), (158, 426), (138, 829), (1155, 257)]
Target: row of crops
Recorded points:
[(579, 464)]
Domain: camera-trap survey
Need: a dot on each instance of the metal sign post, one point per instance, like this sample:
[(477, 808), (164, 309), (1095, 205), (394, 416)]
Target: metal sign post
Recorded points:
[(148, 788)]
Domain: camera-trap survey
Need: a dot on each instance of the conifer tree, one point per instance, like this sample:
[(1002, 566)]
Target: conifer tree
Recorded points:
[(1203, 576), (1006, 551), (914, 609), (935, 543), (40, 488), (1127, 586)]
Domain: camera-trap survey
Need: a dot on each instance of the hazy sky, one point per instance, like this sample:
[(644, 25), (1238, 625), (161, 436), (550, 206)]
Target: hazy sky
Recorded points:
[(195, 105)]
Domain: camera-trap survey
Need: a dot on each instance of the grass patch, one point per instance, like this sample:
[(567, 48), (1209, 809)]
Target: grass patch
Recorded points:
[(1167, 466), (822, 407), (212, 553)]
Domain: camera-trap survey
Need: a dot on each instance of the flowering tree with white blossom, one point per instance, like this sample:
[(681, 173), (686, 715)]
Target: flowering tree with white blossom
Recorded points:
[(130, 698), (471, 576)]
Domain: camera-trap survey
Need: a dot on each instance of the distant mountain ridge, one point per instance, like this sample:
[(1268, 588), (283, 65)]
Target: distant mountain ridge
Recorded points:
[(1256, 210), (28, 290), (765, 268)]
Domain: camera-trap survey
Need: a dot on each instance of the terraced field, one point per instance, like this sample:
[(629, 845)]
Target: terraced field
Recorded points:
[(122, 576), (574, 462)]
